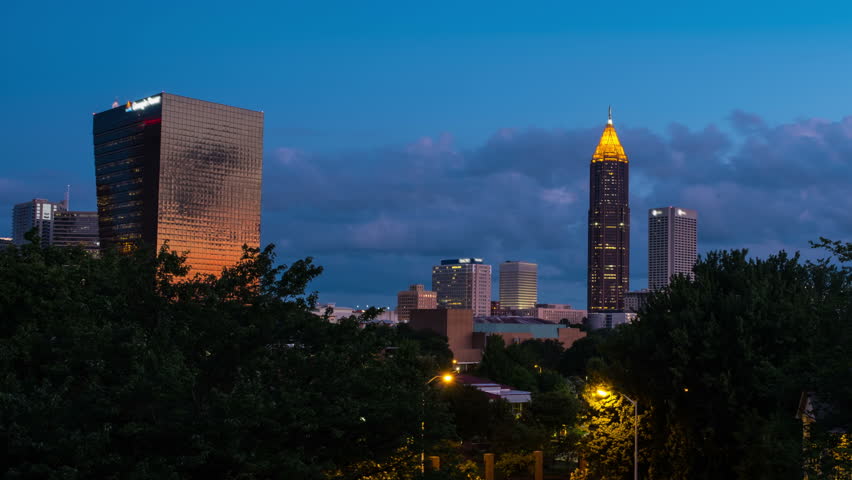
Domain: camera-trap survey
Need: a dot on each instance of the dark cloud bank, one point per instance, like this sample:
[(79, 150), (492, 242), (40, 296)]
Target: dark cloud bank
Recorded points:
[(379, 219)]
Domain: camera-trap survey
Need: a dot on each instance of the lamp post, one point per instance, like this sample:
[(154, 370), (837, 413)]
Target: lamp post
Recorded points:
[(604, 393), (446, 378)]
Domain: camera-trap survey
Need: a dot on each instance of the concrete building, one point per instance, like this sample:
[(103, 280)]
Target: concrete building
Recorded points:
[(336, 313), (75, 229), (38, 213), (518, 285), (672, 244), (457, 326), (598, 320), (467, 336), (463, 283), (5, 242), (415, 297), (634, 301), (516, 329), (495, 390), (556, 313)]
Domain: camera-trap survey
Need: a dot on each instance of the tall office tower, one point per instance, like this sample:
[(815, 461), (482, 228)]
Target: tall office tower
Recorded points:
[(518, 285), (183, 171), (416, 297), (463, 283), (75, 229), (609, 224), (37, 213), (672, 244)]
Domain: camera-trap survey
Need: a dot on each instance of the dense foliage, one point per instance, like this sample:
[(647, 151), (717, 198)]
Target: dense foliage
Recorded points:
[(719, 365), (122, 367), (118, 367)]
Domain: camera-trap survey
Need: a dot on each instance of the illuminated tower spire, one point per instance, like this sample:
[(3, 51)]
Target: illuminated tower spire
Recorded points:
[(609, 224)]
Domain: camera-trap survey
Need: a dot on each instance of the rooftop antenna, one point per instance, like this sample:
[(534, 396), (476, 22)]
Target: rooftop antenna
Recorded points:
[(609, 121), (67, 201)]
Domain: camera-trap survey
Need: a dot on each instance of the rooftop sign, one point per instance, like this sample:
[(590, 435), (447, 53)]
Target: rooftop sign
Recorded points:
[(142, 104)]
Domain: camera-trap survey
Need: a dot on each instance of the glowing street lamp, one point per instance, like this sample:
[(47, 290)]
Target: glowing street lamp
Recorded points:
[(604, 393), (446, 378)]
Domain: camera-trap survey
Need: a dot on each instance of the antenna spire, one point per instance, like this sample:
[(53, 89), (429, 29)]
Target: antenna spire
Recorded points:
[(609, 121)]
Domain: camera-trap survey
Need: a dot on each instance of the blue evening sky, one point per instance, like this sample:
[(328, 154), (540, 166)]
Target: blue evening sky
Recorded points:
[(358, 94)]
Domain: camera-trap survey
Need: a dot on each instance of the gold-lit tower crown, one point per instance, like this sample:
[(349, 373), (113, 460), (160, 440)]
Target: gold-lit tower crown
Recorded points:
[(609, 148)]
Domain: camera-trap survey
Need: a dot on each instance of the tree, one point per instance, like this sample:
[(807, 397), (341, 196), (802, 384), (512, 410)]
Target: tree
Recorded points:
[(718, 363), (499, 366), (123, 367)]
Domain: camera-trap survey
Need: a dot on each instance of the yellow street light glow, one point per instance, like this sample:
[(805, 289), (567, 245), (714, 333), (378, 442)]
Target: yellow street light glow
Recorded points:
[(447, 378), (602, 392)]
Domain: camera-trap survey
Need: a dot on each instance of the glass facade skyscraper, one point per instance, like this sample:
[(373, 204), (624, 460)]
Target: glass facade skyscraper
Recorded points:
[(463, 283), (183, 171), (609, 225)]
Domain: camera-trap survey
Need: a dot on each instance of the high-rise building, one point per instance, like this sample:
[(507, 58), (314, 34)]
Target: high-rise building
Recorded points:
[(672, 244), (609, 224), (183, 171), (38, 213), (518, 285), (75, 229), (463, 283), (416, 297)]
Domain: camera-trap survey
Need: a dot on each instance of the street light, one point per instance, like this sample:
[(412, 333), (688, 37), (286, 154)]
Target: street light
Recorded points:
[(603, 393), (446, 378)]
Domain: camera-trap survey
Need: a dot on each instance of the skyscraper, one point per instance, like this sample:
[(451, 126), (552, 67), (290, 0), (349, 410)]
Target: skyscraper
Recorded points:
[(463, 283), (672, 244), (518, 285), (183, 171), (416, 297), (609, 224), (38, 213)]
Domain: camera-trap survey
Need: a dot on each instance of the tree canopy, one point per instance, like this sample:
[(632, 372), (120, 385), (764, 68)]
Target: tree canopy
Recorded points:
[(718, 364), (121, 367)]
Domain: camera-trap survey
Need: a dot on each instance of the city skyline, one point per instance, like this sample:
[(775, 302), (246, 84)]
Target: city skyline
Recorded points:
[(465, 137)]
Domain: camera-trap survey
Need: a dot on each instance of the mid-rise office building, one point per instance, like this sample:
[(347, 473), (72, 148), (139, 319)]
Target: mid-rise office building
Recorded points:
[(463, 283), (598, 320), (636, 300), (518, 285), (183, 171), (609, 224), (71, 228), (416, 297), (38, 213), (558, 313), (672, 244)]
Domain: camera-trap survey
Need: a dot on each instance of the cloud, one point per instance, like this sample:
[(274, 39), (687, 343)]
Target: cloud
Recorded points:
[(523, 193)]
